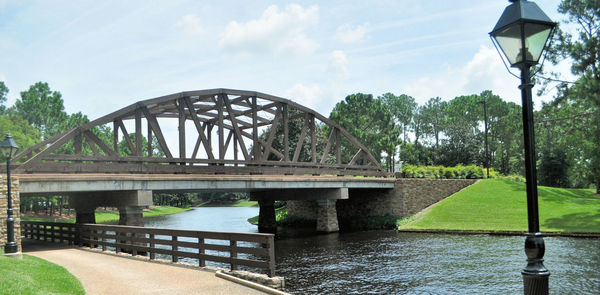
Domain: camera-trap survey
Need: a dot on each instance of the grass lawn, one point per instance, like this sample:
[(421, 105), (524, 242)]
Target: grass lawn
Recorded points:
[(246, 204), (32, 275), (111, 216), (501, 205)]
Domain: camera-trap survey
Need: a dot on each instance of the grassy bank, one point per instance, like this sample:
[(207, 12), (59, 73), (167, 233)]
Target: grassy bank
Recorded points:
[(501, 205), (280, 215), (112, 216), (32, 275), (241, 203)]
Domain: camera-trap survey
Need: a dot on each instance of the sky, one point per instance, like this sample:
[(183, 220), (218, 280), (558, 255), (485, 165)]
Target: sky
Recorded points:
[(105, 55)]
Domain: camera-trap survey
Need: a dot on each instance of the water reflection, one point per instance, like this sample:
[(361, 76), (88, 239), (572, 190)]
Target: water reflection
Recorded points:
[(387, 262)]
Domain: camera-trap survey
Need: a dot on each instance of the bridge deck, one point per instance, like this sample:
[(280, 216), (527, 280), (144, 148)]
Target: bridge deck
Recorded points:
[(67, 183)]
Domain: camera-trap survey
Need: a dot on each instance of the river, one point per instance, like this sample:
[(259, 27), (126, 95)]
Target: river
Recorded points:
[(388, 262)]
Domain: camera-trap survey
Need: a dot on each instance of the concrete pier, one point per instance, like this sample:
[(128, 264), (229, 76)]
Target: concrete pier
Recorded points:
[(266, 217), (327, 220)]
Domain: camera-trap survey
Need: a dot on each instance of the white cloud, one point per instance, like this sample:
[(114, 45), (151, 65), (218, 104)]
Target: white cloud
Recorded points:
[(275, 31), (349, 34), (338, 65), (484, 71), (306, 95), (190, 24)]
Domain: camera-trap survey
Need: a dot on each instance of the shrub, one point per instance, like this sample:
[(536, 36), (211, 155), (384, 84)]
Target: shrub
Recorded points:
[(457, 172)]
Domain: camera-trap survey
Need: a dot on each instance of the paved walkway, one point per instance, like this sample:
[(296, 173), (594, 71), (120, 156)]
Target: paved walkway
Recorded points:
[(110, 274)]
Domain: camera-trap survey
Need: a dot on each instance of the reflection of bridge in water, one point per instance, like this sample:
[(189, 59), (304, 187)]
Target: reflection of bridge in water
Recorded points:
[(228, 154)]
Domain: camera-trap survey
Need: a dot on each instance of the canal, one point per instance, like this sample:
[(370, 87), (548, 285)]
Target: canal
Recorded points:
[(388, 262)]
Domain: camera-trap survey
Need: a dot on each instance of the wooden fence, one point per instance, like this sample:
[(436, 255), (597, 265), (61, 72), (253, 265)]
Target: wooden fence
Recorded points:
[(236, 249)]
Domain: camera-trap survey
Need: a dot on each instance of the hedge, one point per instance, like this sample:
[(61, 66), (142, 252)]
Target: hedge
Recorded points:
[(456, 172)]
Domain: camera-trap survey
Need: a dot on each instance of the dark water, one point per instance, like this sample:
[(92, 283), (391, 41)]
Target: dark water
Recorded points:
[(387, 262)]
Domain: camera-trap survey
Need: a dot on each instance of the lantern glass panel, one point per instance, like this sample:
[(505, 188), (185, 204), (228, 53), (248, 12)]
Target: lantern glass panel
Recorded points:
[(509, 40), (536, 36)]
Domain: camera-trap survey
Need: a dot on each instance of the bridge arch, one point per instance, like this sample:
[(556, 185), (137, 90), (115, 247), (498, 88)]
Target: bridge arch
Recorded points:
[(225, 126)]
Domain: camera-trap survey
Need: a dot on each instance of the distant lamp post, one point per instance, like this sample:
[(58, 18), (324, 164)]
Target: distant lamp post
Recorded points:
[(485, 120), (522, 33), (8, 148)]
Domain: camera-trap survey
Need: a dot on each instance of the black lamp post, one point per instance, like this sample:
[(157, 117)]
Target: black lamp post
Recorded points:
[(8, 148), (522, 33), (485, 120)]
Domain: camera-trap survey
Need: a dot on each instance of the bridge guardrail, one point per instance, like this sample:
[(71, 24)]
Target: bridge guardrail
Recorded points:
[(236, 249)]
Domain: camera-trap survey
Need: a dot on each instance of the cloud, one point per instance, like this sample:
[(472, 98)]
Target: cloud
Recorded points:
[(275, 32), (306, 95), (349, 34), (190, 24), (338, 65), (484, 71)]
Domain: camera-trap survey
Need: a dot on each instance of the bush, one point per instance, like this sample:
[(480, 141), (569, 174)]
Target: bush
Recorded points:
[(457, 172)]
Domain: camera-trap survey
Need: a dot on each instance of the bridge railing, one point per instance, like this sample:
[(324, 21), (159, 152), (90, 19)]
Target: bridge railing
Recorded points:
[(106, 164), (233, 249)]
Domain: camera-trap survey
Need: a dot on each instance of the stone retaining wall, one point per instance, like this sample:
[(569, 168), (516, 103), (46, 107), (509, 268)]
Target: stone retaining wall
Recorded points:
[(16, 209), (409, 196), (420, 193)]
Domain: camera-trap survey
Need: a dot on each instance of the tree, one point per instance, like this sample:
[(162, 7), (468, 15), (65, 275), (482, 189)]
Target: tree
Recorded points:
[(23, 133), (3, 92), (402, 108), (462, 141), (434, 120), (369, 121), (42, 108), (582, 49)]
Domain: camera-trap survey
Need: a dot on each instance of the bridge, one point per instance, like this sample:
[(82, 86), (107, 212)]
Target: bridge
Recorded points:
[(225, 140)]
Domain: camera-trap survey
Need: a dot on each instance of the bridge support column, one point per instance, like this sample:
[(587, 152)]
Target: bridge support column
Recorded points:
[(327, 220), (84, 213), (266, 217), (131, 215)]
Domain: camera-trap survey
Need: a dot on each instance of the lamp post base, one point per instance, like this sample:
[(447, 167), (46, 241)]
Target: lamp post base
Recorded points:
[(11, 247), (535, 275), (535, 283)]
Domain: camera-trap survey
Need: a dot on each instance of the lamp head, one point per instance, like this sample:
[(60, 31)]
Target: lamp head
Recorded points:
[(522, 33), (8, 146)]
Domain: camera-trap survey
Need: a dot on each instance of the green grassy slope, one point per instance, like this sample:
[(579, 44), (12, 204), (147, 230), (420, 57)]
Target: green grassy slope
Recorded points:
[(33, 275), (500, 205)]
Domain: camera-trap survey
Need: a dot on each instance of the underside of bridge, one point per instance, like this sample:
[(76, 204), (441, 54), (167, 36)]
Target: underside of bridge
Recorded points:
[(218, 132)]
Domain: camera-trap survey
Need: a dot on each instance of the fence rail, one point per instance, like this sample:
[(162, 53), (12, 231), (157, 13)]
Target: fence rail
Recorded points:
[(235, 249)]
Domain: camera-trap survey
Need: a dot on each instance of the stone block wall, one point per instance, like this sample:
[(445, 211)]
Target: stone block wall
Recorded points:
[(420, 193), (409, 196), (16, 209), (305, 209)]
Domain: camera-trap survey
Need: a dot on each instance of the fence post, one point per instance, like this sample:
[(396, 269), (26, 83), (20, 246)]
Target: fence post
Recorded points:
[(174, 248), (233, 255), (152, 254), (201, 252), (271, 247)]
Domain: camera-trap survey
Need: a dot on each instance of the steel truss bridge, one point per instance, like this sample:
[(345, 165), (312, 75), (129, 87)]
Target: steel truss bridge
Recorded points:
[(233, 132)]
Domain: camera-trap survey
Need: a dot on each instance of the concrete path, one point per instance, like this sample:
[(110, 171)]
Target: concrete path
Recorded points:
[(110, 274)]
